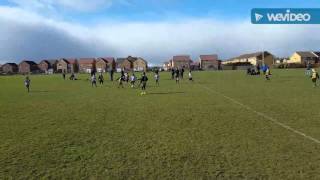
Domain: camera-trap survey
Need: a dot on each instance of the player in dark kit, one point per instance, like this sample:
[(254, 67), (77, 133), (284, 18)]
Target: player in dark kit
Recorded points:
[(64, 75), (157, 77), (72, 77), (268, 74), (101, 79), (111, 74), (177, 76), (93, 80), (143, 81), (27, 82), (181, 73), (121, 80), (172, 74)]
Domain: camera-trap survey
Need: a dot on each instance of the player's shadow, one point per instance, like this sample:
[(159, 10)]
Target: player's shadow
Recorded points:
[(40, 91), (165, 93)]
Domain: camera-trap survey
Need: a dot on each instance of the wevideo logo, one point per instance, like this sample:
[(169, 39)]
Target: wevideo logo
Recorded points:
[(285, 16)]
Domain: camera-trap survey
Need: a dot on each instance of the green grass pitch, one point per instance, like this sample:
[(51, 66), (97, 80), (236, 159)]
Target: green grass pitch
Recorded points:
[(69, 130)]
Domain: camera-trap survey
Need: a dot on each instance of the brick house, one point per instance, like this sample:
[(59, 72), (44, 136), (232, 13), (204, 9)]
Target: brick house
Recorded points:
[(87, 65), (73, 65), (48, 66), (26, 67), (105, 64), (139, 64), (67, 65), (10, 68), (62, 66), (194, 66), (182, 61), (124, 64), (209, 62)]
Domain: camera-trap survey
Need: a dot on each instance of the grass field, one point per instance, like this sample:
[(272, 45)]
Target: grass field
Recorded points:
[(69, 130)]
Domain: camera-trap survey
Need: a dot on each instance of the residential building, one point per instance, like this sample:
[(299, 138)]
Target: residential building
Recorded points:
[(87, 65), (304, 57), (48, 66), (26, 67), (209, 62), (105, 64), (10, 68), (124, 64), (254, 59), (68, 65), (139, 64), (181, 61)]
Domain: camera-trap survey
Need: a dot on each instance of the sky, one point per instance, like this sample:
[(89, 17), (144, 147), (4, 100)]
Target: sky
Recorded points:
[(153, 29)]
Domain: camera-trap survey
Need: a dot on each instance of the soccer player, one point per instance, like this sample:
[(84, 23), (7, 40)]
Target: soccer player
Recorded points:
[(314, 77), (111, 74), (64, 75), (268, 74), (132, 80), (143, 81), (172, 73), (126, 77), (258, 70), (121, 79), (182, 72), (93, 80), (308, 70), (157, 78), (177, 76), (27, 82), (72, 77), (249, 71), (101, 79), (190, 76)]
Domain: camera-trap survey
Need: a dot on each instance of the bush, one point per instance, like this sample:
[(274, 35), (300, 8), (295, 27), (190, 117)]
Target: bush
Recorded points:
[(280, 66), (296, 65)]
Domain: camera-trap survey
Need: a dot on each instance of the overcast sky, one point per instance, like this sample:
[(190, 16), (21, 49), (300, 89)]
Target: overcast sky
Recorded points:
[(153, 29)]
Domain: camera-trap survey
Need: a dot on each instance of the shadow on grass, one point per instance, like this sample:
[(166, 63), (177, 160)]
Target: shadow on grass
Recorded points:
[(39, 91), (165, 93)]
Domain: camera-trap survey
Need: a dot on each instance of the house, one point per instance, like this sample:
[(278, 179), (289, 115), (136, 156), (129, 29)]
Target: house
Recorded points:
[(105, 64), (124, 64), (87, 65), (102, 65), (67, 65), (253, 59), (317, 53), (304, 57), (62, 66), (182, 61), (194, 66), (10, 68), (139, 64), (48, 66), (73, 65), (167, 65), (209, 62), (281, 60), (26, 67)]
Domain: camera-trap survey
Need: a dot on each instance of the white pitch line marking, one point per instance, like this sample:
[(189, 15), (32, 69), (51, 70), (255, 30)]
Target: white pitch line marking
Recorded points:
[(264, 116)]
